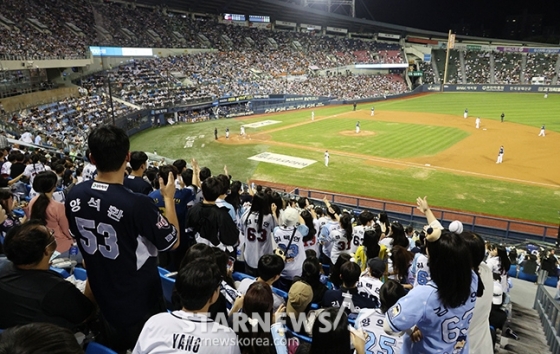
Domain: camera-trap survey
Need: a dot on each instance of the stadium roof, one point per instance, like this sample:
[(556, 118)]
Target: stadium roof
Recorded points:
[(285, 11)]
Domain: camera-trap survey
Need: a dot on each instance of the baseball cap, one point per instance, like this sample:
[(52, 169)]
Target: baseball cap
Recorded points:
[(498, 294), (456, 227), (376, 265), (299, 297), (290, 217)]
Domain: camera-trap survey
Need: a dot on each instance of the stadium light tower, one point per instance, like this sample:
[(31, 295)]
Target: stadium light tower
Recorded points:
[(333, 5)]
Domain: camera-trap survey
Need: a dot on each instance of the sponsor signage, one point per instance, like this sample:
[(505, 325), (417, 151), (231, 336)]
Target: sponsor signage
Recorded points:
[(284, 160), (427, 58), (493, 88), (415, 73), (121, 52), (337, 30), (388, 35), (285, 24), (311, 27), (381, 66), (240, 98)]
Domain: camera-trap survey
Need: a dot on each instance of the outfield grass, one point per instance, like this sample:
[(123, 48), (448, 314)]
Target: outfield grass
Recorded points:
[(354, 176)]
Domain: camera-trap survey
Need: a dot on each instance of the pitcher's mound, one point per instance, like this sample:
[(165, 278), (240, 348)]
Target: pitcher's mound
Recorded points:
[(353, 133)]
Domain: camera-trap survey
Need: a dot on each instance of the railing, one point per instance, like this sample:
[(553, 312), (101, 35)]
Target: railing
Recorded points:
[(499, 227), (548, 309)]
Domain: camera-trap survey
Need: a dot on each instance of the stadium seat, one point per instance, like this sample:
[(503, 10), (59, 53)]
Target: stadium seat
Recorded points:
[(167, 284), (96, 348), (551, 281), (238, 276), (63, 273), (280, 293), (80, 274), (513, 271), (529, 277)]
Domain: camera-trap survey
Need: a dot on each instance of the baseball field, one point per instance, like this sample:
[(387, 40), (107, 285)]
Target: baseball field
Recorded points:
[(411, 147)]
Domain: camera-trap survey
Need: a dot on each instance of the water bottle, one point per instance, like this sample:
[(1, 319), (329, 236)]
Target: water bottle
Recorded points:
[(73, 255)]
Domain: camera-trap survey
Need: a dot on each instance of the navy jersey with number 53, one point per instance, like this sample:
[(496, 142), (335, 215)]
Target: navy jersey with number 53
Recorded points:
[(119, 234)]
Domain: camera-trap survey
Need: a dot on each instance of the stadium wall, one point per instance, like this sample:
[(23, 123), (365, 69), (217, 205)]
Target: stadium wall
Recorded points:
[(490, 88)]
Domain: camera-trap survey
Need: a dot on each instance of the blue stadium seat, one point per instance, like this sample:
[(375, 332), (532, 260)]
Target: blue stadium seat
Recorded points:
[(513, 271), (238, 276), (63, 273), (80, 274), (280, 293), (529, 277), (96, 348), (551, 281), (162, 271), (167, 284)]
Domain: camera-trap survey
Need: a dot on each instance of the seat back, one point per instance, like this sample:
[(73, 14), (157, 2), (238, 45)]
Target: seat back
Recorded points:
[(238, 276), (167, 284), (63, 273), (80, 274), (96, 348)]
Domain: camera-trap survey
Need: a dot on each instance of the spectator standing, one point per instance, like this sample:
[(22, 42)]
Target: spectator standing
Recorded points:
[(135, 181), (119, 234)]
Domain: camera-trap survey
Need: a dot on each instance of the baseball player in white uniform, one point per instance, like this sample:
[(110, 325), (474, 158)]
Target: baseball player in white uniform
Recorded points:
[(372, 111), (227, 133), (358, 127), (500, 154), (466, 114), (242, 131), (327, 158), (477, 122), (542, 131), (312, 115)]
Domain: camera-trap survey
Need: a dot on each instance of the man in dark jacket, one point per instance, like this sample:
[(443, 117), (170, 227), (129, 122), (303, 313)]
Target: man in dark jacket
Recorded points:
[(209, 223)]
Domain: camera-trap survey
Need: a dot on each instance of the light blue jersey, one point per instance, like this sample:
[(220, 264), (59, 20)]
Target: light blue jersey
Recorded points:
[(377, 341), (444, 330)]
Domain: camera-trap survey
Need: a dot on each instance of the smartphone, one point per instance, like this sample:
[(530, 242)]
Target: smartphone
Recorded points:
[(231, 262)]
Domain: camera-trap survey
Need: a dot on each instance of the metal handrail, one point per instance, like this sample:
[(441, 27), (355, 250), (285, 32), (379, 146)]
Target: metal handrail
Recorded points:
[(548, 309)]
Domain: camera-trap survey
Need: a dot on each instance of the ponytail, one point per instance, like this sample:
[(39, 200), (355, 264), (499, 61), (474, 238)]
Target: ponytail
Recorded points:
[(39, 209)]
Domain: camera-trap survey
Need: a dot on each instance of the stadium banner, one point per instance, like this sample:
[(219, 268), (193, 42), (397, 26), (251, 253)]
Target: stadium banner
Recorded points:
[(121, 52), (284, 160), (237, 99), (528, 50), (388, 35), (337, 30), (427, 58), (311, 27), (285, 24), (381, 66), (492, 88)]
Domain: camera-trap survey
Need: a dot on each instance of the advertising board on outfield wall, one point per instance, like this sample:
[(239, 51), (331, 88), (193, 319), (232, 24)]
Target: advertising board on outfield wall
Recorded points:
[(491, 88)]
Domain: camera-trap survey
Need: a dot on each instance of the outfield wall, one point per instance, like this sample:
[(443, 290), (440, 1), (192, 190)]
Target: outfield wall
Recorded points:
[(490, 88)]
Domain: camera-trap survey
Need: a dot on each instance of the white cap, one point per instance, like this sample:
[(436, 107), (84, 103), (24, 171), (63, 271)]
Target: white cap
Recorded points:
[(456, 227)]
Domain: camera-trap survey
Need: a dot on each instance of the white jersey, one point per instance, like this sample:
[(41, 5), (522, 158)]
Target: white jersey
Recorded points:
[(340, 244), (377, 341), (420, 269), (369, 286), (357, 238), (479, 329), (296, 253), (314, 244), (89, 172), (33, 170), (184, 332), (257, 243), (59, 196), (324, 236), (6, 167)]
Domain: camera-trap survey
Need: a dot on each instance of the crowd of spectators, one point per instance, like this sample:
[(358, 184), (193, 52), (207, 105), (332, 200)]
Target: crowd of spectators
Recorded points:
[(541, 65), (376, 268), (477, 67), (507, 68)]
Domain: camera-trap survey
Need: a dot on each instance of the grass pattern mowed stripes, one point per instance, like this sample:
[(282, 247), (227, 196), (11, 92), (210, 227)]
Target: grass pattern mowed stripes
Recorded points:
[(359, 168)]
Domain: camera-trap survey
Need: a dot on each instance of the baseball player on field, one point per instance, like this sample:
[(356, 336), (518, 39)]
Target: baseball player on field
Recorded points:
[(477, 122), (500, 154), (372, 111), (327, 158), (466, 114), (357, 127), (542, 131)]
